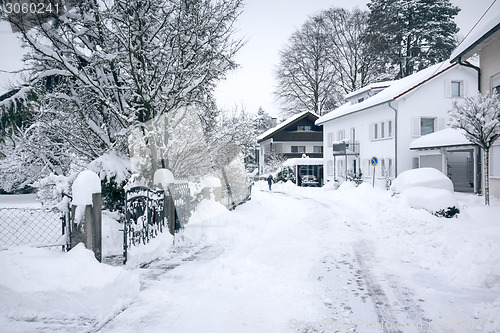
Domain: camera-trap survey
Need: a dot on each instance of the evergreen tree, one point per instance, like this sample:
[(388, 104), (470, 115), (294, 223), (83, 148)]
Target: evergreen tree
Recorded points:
[(410, 35), (262, 121)]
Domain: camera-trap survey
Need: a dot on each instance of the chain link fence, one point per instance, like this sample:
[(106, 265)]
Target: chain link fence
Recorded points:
[(32, 226)]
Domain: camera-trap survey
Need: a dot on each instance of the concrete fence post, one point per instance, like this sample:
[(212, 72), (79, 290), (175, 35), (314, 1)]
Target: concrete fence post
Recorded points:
[(86, 212)]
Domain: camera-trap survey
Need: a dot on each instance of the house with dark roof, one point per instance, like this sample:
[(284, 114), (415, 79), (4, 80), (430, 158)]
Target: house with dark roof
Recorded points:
[(484, 41), (383, 119), (296, 137)]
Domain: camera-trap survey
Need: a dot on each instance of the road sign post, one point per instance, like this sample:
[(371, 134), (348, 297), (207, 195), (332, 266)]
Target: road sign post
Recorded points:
[(373, 162)]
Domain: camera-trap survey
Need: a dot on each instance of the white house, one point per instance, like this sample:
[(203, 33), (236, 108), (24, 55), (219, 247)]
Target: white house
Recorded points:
[(484, 40), (382, 120)]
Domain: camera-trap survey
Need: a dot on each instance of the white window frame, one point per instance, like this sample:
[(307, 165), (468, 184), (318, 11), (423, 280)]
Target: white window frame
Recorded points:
[(381, 130), (495, 162), (449, 90), (495, 83)]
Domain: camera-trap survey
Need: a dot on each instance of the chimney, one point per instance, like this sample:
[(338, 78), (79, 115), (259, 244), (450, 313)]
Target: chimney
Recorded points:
[(273, 122)]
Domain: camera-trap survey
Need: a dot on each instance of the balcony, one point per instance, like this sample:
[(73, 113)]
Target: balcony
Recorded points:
[(345, 148)]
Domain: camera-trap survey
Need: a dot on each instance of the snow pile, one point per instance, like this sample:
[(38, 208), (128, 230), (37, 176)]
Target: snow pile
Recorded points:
[(42, 284), (422, 177), (85, 185), (163, 177), (442, 138), (156, 248), (430, 199), (112, 234), (427, 188)]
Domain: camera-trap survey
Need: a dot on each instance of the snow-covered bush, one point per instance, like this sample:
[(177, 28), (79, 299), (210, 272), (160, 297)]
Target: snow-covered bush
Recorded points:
[(113, 170)]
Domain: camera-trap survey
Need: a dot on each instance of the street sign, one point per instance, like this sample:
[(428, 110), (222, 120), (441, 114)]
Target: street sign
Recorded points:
[(374, 161)]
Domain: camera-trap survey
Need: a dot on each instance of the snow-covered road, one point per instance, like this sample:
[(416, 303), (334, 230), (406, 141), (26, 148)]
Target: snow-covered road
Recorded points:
[(297, 260)]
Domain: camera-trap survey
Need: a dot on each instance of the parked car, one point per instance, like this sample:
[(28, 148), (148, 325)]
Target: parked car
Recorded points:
[(309, 180)]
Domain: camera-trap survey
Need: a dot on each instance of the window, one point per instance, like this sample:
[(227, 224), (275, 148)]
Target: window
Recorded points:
[(330, 139), (381, 130), (318, 149), (389, 168), (298, 149), (303, 128), (427, 125), (353, 135), (456, 89), (340, 135), (495, 161), (495, 83), (360, 100)]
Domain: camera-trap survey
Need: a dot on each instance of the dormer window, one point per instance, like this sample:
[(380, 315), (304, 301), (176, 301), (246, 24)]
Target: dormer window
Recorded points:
[(303, 128)]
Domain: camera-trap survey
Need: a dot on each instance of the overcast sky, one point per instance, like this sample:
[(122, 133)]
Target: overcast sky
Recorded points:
[(266, 25)]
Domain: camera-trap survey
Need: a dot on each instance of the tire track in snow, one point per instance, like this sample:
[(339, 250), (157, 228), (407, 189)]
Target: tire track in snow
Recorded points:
[(380, 301)]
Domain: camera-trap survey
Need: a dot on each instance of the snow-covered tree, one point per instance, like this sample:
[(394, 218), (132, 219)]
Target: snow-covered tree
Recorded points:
[(304, 75), (411, 35), (262, 122), (326, 59), (354, 65), (103, 69), (479, 117)]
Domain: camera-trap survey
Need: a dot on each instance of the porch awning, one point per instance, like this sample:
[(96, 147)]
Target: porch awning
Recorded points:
[(446, 138)]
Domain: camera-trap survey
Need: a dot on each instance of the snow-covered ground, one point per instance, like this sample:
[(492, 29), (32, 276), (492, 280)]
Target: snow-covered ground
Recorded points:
[(290, 260)]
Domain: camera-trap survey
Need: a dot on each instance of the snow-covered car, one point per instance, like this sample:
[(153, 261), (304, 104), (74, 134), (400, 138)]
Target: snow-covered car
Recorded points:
[(429, 189), (309, 180)]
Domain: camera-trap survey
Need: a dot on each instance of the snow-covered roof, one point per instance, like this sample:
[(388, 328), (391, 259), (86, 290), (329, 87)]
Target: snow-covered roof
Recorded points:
[(284, 124), (447, 137), (484, 29), (394, 91), (375, 85), (303, 161)]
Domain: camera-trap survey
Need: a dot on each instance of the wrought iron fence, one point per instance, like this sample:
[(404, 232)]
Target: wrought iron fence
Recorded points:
[(34, 227), (144, 215), (149, 212)]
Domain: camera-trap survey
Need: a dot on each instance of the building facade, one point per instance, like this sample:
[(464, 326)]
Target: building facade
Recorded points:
[(383, 119), (484, 40), (293, 138)]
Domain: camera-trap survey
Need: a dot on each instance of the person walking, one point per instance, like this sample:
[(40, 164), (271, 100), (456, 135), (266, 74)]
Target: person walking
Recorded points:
[(270, 181)]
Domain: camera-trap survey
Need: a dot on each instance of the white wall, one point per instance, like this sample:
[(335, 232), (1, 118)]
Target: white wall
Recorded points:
[(427, 100)]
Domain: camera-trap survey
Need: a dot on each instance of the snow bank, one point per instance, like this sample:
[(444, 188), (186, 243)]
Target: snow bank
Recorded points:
[(44, 284), (423, 177), (112, 234), (156, 248), (430, 199)]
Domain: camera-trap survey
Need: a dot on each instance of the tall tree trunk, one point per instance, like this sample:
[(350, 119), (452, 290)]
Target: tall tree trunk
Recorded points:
[(486, 176)]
